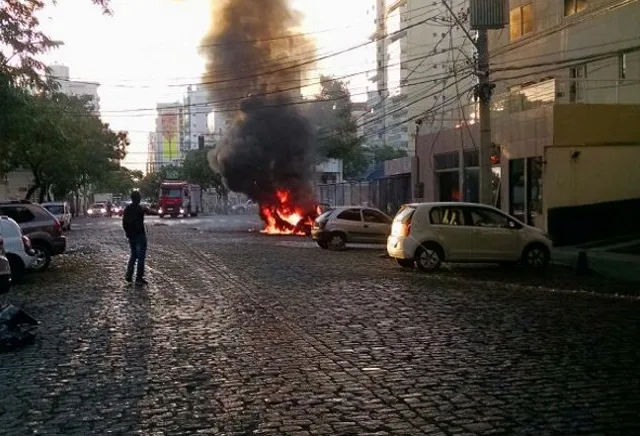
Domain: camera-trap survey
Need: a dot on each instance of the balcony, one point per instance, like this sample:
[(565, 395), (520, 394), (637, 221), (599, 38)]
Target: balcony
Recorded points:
[(567, 91)]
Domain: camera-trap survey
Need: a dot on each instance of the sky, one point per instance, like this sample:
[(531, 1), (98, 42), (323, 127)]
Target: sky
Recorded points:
[(147, 52)]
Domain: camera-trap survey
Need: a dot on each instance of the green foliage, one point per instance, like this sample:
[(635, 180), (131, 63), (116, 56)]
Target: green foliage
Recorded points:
[(386, 152), (337, 130), (119, 181), (196, 169), (58, 138)]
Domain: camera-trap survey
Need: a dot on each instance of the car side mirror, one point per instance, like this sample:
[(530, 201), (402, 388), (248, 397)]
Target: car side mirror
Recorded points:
[(512, 225)]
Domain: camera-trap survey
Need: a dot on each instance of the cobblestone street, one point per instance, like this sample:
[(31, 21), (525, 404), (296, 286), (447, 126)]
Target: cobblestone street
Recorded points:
[(241, 333)]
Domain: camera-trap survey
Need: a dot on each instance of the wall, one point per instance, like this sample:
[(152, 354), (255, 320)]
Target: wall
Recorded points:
[(593, 195), (596, 124), (556, 38), (15, 185), (598, 174)]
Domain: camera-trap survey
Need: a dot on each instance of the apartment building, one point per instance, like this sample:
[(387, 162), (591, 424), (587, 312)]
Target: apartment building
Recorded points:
[(167, 134), (60, 74), (424, 64), (194, 115), (564, 121)]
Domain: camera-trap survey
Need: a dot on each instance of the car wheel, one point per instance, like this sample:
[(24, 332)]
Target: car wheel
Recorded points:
[(322, 244), (536, 256), (42, 257), (405, 263), (429, 257), (337, 241), (17, 268)]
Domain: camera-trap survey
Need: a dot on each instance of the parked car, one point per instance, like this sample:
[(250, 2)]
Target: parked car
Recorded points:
[(97, 210), (350, 224), (17, 247), (62, 211), (427, 234), (42, 228), (248, 206), (5, 270)]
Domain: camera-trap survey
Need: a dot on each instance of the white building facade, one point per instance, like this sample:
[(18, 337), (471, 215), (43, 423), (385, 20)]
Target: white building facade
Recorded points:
[(194, 128), (60, 74), (424, 70)]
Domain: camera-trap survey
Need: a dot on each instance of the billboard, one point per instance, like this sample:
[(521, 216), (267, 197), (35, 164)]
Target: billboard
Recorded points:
[(170, 139)]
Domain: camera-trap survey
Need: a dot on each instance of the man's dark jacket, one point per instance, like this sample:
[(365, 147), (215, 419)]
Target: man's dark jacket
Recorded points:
[(133, 221)]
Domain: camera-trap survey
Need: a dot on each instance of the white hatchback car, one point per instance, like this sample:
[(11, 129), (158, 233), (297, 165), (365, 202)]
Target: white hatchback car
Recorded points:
[(62, 211), (17, 247), (427, 234)]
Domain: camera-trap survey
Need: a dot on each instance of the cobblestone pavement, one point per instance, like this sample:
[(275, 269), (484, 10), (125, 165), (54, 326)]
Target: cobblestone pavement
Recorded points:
[(241, 333)]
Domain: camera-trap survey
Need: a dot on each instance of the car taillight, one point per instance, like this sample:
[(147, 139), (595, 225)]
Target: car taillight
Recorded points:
[(57, 228), (401, 229)]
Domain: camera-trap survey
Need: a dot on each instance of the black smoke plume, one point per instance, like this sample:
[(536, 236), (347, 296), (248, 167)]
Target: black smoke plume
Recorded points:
[(256, 62)]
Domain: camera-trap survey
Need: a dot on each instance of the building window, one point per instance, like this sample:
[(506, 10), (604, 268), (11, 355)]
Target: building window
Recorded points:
[(572, 7), (447, 169), (578, 83), (622, 66), (521, 21)]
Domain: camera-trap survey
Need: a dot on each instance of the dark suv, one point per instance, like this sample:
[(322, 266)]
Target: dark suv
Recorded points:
[(44, 230)]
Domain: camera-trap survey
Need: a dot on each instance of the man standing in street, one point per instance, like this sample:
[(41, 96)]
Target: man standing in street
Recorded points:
[(133, 224)]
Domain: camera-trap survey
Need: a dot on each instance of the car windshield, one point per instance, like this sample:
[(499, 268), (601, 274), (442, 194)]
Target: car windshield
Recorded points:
[(56, 209), (405, 214), (172, 192), (324, 216)]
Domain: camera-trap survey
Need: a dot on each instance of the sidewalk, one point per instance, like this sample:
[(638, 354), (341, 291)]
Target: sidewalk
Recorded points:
[(606, 263)]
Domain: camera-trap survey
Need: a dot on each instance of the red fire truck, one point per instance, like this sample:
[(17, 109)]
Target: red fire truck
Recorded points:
[(179, 198)]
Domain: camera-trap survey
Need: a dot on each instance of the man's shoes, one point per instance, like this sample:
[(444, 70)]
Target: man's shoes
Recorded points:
[(128, 279), (141, 282)]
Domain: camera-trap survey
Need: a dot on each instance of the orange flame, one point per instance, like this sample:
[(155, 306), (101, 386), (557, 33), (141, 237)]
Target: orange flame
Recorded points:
[(283, 218)]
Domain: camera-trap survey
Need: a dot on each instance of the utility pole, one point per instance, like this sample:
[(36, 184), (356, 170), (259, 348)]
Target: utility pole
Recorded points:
[(485, 15), (483, 92)]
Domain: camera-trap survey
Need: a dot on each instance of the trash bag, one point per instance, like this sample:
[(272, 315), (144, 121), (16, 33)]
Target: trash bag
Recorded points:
[(15, 328)]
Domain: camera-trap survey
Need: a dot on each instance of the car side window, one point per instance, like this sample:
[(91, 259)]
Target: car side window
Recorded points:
[(373, 216), (481, 217), (350, 215), (450, 216), (19, 213)]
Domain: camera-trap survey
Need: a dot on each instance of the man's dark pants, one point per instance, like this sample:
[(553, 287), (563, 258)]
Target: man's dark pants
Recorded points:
[(138, 245)]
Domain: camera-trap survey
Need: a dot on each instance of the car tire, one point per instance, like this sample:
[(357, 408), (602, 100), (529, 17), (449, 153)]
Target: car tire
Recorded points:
[(405, 263), (43, 253), (429, 257), (337, 241), (323, 244), (17, 268), (536, 256)]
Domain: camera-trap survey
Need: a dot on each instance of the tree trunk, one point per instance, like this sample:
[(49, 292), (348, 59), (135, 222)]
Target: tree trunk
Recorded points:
[(43, 193), (31, 191)]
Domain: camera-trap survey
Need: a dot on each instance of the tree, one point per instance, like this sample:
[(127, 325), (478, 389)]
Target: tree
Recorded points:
[(337, 130), (119, 181), (386, 152), (23, 40), (64, 144), (196, 169)]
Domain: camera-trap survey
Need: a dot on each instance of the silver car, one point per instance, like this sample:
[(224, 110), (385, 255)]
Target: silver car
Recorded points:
[(350, 224)]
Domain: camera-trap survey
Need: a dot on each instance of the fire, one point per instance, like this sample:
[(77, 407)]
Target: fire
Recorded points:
[(285, 218)]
